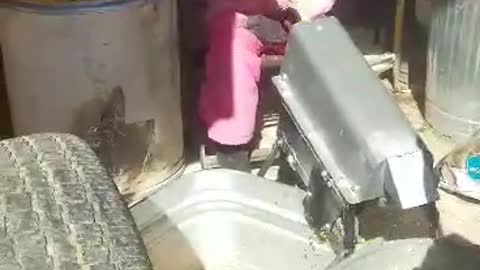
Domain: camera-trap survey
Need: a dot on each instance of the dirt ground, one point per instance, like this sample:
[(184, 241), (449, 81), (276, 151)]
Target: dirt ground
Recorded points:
[(459, 218)]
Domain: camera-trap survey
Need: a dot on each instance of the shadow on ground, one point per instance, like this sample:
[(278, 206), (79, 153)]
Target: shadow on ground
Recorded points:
[(452, 252)]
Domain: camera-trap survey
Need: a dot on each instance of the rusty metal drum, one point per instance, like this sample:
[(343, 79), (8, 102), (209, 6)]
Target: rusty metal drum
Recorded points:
[(107, 71)]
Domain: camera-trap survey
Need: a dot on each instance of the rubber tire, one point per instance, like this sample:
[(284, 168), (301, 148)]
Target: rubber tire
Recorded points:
[(60, 210)]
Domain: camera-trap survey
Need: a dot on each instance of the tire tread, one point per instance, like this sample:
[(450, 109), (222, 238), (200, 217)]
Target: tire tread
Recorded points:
[(60, 210)]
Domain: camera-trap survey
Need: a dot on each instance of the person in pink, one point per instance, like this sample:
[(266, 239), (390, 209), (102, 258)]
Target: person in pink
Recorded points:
[(229, 94)]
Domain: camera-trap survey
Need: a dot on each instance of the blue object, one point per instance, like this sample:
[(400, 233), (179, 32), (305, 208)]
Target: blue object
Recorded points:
[(473, 168)]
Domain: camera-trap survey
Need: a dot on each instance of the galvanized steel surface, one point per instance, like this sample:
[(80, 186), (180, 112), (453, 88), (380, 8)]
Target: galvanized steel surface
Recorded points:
[(220, 219), (349, 120), (453, 75)]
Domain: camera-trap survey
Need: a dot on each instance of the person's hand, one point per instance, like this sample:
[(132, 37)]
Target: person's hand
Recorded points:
[(290, 18)]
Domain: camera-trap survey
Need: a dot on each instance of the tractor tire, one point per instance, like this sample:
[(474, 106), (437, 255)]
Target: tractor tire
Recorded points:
[(60, 210)]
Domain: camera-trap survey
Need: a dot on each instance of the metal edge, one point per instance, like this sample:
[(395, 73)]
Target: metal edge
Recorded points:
[(342, 185), (177, 172), (234, 187)]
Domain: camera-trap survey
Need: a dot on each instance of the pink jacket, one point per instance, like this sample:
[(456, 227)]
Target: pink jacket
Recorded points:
[(263, 7), (229, 95)]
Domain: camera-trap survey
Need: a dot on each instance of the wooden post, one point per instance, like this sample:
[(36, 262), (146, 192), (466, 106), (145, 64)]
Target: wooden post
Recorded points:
[(400, 79)]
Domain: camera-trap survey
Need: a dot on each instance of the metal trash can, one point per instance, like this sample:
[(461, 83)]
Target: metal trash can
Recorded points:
[(107, 71), (423, 13), (453, 75)]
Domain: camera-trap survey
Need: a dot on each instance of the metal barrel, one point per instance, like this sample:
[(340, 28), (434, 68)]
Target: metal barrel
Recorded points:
[(107, 71), (453, 75)]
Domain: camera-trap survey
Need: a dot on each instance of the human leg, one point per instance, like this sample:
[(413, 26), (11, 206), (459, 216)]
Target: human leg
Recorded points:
[(229, 94)]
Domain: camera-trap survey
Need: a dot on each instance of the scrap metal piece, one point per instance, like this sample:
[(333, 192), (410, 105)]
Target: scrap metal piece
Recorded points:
[(380, 63), (349, 121)]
